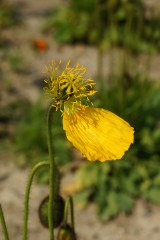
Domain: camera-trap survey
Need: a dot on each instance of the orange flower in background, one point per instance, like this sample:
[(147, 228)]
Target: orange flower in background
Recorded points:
[(97, 133), (40, 44)]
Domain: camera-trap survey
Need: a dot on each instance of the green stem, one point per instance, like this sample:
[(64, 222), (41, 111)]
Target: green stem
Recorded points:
[(52, 173), (4, 227), (69, 201), (28, 189), (72, 213)]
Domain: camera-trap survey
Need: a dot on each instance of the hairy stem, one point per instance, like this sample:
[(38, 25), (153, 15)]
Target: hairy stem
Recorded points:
[(52, 173), (4, 227), (69, 202), (27, 194)]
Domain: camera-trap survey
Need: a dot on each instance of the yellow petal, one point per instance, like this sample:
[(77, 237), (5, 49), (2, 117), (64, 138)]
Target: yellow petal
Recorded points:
[(99, 134)]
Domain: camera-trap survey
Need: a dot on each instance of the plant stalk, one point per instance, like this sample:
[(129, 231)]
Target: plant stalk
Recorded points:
[(4, 226), (52, 173), (69, 202), (27, 194)]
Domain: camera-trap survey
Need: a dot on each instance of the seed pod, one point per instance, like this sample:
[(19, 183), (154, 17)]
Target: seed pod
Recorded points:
[(66, 233), (58, 211)]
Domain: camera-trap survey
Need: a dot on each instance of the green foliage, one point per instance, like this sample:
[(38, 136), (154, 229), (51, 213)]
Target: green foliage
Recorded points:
[(115, 185), (30, 134), (8, 15), (16, 62), (65, 30), (105, 23), (31, 137), (9, 114)]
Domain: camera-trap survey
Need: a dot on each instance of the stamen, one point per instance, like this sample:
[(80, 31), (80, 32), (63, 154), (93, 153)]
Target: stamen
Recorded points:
[(68, 84)]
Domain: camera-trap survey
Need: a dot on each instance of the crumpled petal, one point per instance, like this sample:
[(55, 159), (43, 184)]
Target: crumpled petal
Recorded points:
[(98, 134)]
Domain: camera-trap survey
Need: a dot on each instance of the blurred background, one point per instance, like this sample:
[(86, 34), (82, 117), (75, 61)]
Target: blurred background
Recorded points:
[(118, 41)]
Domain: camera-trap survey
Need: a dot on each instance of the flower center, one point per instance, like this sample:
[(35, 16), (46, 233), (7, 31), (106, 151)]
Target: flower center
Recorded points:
[(69, 84)]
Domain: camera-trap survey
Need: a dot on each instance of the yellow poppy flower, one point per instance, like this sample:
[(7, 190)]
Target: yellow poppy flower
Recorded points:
[(98, 134)]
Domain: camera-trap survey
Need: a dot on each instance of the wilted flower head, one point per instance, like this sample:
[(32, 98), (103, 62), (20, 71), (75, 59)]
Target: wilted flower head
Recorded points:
[(68, 85), (99, 134)]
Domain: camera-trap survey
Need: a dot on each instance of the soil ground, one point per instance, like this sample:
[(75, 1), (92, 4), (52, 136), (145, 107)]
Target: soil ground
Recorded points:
[(144, 222)]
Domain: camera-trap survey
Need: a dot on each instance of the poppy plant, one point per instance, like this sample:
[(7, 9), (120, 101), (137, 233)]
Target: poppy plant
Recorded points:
[(97, 133)]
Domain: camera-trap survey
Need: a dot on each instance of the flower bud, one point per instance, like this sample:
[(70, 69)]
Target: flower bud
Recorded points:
[(58, 211), (66, 233)]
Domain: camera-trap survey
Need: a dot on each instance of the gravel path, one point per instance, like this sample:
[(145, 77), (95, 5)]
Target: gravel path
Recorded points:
[(143, 224)]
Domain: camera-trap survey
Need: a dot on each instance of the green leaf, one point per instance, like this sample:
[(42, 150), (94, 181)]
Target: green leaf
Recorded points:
[(153, 195), (125, 202), (156, 180), (116, 202)]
